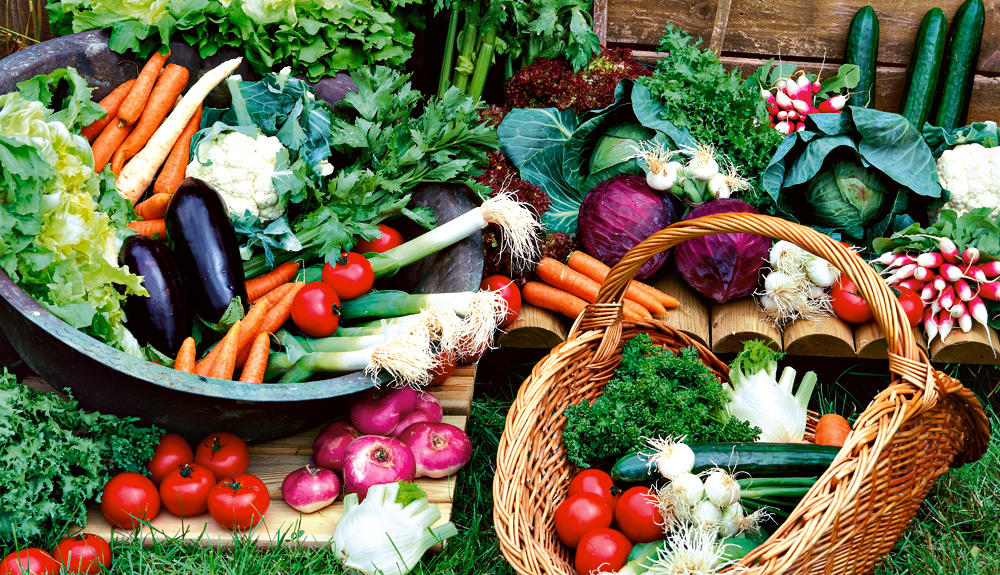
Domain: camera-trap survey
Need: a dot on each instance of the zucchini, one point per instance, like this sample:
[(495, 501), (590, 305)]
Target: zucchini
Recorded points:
[(925, 68), (959, 68), (757, 459), (862, 50)]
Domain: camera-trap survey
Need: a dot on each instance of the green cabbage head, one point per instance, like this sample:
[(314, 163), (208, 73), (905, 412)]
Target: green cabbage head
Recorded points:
[(847, 196)]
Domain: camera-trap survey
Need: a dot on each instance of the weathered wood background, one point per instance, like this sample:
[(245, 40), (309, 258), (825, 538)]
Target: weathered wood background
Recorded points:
[(24, 23), (810, 34)]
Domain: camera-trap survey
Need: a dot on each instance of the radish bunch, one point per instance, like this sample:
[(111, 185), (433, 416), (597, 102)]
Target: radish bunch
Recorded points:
[(952, 284), (793, 98)]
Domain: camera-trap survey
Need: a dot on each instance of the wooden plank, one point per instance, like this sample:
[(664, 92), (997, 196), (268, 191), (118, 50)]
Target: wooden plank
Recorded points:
[(828, 337), (640, 22), (720, 25), (971, 347), (691, 316), (535, 328), (600, 13), (737, 321)]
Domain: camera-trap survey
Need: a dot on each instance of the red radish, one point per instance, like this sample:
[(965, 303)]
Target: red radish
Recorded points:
[(913, 284), (970, 255), (805, 86), (832, 105), (331, 444), (772, 109), (928, 292), (373, 460), (963, 290), (939, 283), (784, 102), (887, 258), (930, 325), (783, 127), (817, 87), (930, 259), (379, 411), (428, 410), (945, 323), (782, 115), (793, 115), (923, 274), (899, 260), (947, 299), (768, 97), (439, 449), (949, 250), (990, 291), (310, 488), (803, 108), (902, 273), (799, 127), (990, 269), (977, 308), (951, 272)]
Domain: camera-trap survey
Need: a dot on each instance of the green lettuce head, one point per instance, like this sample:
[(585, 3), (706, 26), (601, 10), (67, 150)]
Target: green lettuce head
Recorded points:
[(847, 196), (618, 145)]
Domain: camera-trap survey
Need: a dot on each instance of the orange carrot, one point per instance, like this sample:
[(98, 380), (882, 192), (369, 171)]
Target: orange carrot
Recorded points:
[(225, 364), (186, 356), (275, 295), (561, 276), (281, 311), (250, 327), (256, 365), (110, 103), (168, 88), (132, 107), (111, 137), (173, 170), (261, 285), (636, 291), (154, 207), (151, 228), (554, 299)]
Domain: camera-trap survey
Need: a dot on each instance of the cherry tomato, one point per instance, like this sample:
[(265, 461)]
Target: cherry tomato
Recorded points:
[(389, 239), (848, 303), (84, 553), (597, 482), (602, 550), (580, 514), (238, 502), (446, 367), (184, 491), (510, 294), (172, 451), (32, 561), (316, 310), (637, 515), (912, 304), (350, 276), (127, 498), (224, 454)]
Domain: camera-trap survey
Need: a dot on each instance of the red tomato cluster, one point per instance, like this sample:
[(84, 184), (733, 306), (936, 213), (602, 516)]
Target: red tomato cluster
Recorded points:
[(82, 553), (583, 521), (211, 478)]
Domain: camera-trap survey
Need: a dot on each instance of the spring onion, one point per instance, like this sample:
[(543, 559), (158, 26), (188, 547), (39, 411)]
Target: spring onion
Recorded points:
[(407, 360), (721, 489), (671, 457)]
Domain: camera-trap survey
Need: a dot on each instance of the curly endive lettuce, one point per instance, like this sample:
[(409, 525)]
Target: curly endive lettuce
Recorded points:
[(55, 242)]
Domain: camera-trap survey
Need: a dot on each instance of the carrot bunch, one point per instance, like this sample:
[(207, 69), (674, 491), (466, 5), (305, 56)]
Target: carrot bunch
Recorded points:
[(567, 289)]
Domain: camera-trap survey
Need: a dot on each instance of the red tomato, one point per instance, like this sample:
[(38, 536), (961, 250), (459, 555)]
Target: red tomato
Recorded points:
[(510, 294), (597, 482), (912, 304), (602, 550), (316, 310), (580, 514), (31, 561), (350, 276), (637, 515), (184, 491), (84, 553), (848, 303), (127, 498), (172, 451), (238, 502), (446, 367), (223, 454), (389, 239)]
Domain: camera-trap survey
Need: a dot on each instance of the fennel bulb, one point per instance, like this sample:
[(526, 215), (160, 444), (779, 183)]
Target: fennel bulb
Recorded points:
[(389, 531), (758, 396)]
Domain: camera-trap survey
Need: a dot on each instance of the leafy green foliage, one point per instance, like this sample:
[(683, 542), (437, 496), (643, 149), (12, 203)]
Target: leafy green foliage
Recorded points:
[(653, 393), (715, 106), (941, 139), (56, 459)]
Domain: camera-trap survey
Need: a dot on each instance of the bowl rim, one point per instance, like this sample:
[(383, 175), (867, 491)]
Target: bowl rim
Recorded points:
[(169, 378)]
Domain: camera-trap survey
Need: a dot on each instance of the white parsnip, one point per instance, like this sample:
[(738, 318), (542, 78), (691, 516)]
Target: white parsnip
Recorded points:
[(139, 172)]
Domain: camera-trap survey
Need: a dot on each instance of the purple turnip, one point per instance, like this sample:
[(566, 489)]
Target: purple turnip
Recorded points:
[(372, 460), (331, 444), (310, 489), (439, 449), (378, 412), (428, 409)]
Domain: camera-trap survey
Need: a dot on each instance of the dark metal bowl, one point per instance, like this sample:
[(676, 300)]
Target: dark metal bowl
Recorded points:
[(106, 379)]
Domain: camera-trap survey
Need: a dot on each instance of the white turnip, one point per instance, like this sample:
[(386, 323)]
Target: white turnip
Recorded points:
[(378, 412), (428, 410), (331, 444), (439, 449), (310, 489), (373, 460)]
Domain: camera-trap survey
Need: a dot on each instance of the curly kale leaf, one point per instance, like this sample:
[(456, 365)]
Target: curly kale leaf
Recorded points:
[(653, 393)]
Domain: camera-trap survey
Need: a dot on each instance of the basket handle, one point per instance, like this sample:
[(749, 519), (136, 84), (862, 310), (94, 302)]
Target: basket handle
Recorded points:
[(905, 358)]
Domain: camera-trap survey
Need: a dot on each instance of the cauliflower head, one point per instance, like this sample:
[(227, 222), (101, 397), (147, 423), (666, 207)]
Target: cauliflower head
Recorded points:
[(240, 167), (972, 174)]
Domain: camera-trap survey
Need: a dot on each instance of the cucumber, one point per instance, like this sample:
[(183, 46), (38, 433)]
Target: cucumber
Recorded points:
[(925, 68), (958, 71), (736, 548), (862, 50), (757, 459)]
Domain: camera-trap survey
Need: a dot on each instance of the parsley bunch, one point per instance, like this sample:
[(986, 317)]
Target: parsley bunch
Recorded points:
[(653, 393), (57, 458), (716, 107)]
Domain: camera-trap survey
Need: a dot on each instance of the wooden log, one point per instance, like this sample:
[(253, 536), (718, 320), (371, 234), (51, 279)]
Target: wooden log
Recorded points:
[(971, 347), (870, 341), (827, 337), (691, 316), (535, 328), (737, 321)]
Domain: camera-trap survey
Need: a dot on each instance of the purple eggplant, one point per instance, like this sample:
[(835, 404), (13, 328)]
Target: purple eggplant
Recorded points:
[(163, 319), (204, 244)]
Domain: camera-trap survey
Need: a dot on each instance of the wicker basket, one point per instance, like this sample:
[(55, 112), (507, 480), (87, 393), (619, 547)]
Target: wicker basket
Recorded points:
[(911, 433)]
